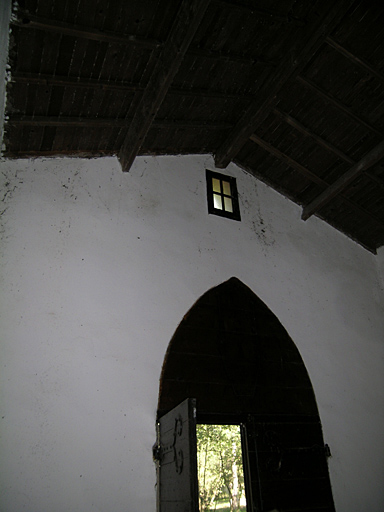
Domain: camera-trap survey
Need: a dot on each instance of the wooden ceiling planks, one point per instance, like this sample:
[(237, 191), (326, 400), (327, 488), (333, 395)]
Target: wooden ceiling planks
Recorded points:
[(167, 65), (371, 158), (80, 68), (301, 49)]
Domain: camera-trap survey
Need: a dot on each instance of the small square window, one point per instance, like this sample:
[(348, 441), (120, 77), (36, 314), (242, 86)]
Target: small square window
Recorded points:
[(222, 195)]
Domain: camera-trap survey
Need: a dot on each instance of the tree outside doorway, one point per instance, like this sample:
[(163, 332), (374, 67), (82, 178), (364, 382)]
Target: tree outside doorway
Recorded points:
[(220, 468)]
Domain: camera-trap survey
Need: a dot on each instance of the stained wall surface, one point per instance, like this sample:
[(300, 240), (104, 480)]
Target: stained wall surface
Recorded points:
[(98, 268)]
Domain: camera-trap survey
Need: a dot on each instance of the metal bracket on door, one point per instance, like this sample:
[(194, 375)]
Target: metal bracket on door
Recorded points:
[(159, 450)]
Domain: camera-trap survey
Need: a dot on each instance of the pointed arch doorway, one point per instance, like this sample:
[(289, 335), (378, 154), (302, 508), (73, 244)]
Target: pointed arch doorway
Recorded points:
[(234, 357)]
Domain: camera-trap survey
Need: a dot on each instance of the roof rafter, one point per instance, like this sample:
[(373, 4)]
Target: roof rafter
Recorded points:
[(356, 60), (188, 19), (338, 104), (322, 142), (260, 12), (89, 83), (344, 181), (302, 50), (309, 133), (230, 57), (59, 27), (310, 175), (80, 31), (98, 122)]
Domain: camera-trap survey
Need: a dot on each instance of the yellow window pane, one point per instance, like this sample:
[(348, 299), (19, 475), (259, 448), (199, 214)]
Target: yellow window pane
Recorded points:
[(226, 188), (216, 185), (228, 204), (217, 202)]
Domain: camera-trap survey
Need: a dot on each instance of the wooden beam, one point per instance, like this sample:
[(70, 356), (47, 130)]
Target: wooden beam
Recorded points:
[(303, 47), (67, 81), (80, 153), (97, 122), (338, 104), (188, 19), (226, 57), (344, 181), (59, 27), (253, 10), (61, 121), (311, 176), (288, 160), (89, 83), (363, 64), (324, 143), (375, 178), (93, 153), (307, 132), (34, 22)]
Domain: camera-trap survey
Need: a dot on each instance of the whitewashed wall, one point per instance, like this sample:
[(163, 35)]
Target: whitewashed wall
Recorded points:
[(99, 267)]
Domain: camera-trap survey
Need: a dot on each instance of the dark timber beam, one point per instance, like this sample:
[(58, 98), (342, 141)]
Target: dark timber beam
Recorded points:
[(188, 19), (60, 27), (307, 132), (344, 181), (67, 81), (356, 60), (260, 12), (230, 57), (92, 83), (98, 122), (323, 143), (338, 104), (288, 160), (308, 41), (310, 176)]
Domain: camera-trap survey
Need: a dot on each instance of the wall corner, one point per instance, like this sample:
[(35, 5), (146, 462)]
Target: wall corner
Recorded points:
[(5, 16)]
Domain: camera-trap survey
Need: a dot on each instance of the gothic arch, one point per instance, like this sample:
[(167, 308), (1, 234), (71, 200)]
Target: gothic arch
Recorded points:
[(232, 354)]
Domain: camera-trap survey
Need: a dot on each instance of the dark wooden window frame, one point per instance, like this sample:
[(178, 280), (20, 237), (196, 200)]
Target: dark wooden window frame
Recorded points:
[(235, 214)]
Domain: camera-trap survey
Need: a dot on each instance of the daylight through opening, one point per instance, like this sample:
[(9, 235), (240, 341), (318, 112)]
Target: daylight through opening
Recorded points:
[(220, 468)]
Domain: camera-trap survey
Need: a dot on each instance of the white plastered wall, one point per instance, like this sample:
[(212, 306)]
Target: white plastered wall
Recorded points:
[(97, 270)]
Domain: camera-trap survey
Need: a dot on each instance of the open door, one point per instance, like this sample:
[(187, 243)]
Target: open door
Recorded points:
[(234, 356), (176, 453)]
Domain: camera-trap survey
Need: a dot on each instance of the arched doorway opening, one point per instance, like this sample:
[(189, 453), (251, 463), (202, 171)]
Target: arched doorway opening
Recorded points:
[(234, 357)]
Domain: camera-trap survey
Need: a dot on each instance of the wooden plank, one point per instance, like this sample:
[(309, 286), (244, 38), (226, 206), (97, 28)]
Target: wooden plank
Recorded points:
[(344, 181), (227, 57), (80, 31), (356, 60), (98, 122), (254, 10), (58, 27), (306, 131), (322, 142), (27, 153), (311, 176), (54, 80), (338, 104), (178, 459), (305, 46), (184, 28), (288, 160)]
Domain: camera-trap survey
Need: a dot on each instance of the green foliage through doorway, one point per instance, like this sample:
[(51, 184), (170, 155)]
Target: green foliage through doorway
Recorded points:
[(220, 468)]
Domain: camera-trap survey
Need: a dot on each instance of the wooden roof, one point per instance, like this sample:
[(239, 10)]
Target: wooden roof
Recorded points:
[(290, 90)]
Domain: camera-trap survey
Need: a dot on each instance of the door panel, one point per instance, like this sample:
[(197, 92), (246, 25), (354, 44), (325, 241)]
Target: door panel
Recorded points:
[(178, 486)]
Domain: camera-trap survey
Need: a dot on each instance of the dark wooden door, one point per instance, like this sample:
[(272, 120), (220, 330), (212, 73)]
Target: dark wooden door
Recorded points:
[(178, 485), (288, 465)]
